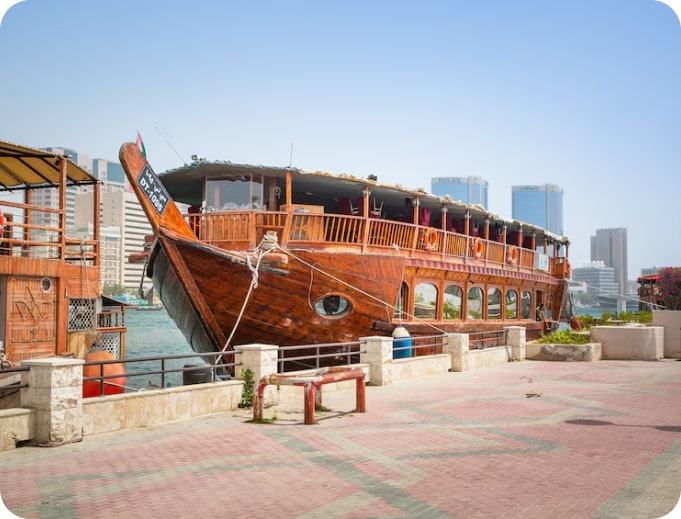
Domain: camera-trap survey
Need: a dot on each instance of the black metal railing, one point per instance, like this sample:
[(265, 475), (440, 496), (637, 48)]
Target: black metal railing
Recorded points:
[(421, 345), (315, 356), (11, 387), (166, 371), (482, 340)]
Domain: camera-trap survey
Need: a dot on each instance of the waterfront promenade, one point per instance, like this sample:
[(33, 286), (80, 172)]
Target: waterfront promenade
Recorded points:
[(597, 440)]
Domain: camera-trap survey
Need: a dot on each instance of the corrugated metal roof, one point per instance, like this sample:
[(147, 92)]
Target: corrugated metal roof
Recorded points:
[(28, 168)]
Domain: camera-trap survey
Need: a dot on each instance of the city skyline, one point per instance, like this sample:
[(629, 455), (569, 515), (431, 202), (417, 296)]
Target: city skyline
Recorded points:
[(583, 95)]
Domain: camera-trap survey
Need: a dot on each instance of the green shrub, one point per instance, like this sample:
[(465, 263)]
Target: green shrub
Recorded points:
[(587, 321), (247, 389), (564, 337), (629, 317)]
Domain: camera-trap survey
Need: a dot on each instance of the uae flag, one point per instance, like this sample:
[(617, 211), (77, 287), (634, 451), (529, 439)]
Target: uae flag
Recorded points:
[(140, 145)]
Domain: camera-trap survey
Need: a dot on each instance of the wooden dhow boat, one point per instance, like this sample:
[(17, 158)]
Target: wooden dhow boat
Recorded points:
[(283, 256)]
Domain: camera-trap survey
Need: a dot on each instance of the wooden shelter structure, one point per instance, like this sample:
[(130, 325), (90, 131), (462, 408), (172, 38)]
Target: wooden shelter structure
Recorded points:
[(50, 296)]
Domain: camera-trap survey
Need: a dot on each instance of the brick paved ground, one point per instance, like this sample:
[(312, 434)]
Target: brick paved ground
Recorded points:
[(603, 441)]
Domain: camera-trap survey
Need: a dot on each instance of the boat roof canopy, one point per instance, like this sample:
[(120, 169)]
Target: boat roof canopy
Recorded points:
[(30, 168), (185, 184)]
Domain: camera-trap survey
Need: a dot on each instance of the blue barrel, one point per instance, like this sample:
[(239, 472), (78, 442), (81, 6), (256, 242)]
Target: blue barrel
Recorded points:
[(401, 343)]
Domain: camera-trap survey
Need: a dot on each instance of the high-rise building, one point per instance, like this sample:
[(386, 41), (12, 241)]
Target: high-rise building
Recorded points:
[(598, 279), (610, 247), (50, 197), (110, 248), (539, 205), (469, 190), (120, 209), (123, 223)]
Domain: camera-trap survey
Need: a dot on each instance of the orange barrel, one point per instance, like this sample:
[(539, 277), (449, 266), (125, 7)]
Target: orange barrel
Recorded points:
[(112, 386)]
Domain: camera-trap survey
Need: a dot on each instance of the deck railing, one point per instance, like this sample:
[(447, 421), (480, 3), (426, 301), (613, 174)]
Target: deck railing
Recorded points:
[(39, 232), (245, 229)]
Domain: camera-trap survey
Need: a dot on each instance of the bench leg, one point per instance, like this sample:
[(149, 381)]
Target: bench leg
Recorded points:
[(361, 396), (257, 403), (310, 391)]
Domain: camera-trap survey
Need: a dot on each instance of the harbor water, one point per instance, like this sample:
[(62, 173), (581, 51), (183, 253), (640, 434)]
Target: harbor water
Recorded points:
[(152, 333)]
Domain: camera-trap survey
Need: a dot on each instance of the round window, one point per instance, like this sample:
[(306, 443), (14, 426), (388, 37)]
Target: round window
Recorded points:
[(46, 284), (333, 305)]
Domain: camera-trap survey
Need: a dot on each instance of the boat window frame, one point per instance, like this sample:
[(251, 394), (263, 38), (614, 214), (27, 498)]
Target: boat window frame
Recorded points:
[(490, 289), (513, 290), (461, 299), (433, 283), (530, 306), (250, 178), (482, 303)]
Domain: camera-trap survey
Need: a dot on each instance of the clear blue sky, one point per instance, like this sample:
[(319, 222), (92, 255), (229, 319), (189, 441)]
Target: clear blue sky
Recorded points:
[(585, 94)]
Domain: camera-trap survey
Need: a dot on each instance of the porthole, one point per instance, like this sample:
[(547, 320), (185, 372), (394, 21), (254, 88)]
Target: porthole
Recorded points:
[(332, 305), (46, 285)]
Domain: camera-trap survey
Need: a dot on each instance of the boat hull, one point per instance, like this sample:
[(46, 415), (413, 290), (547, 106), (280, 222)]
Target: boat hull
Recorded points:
[(281, 309)]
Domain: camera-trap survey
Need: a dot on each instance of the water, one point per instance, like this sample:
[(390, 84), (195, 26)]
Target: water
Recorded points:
[(593, 312), (154, 334)]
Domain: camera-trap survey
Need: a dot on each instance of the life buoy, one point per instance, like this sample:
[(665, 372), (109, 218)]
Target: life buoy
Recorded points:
[(430, 239), (568, 271), (2, 223), (512, 256), (477, 248)]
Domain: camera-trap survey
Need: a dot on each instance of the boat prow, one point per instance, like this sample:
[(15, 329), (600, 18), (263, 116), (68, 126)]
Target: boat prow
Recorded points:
[(160, 209)]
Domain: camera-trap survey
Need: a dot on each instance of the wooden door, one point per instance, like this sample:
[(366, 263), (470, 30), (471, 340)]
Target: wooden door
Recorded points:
[(30, 318)]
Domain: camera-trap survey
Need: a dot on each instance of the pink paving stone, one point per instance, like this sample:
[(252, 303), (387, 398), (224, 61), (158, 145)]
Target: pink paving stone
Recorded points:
[(282, 491), (480, 453)]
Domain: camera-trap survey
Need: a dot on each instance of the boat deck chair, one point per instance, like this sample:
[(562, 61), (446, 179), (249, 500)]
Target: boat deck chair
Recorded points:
[(346, 207)]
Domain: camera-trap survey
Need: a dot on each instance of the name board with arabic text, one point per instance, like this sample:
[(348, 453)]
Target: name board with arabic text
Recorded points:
[(153, 189)]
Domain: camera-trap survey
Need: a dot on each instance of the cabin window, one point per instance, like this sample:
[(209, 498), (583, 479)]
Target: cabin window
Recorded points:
[(425, 301), (511, 304), (234, 194), (493, 303), (332, 305), (474, 303), (451, 308), (526, 305)]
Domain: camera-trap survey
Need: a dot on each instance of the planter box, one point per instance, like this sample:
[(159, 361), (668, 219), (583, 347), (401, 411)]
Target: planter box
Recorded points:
[(564, 352), (629, 342)]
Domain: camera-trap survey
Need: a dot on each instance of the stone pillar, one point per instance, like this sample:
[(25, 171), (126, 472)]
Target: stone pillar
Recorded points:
[(262, 360), (457, 345), (259, 358), (378, 353), (515, 338), (55, 392)]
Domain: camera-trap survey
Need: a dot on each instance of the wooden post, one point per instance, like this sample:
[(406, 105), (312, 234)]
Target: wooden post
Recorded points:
[(309, 403), (361, 395)]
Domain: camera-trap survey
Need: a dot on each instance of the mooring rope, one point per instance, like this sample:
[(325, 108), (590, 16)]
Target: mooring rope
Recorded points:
[(268, 243)]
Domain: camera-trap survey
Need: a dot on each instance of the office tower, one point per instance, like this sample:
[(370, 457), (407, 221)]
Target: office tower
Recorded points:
[(469, 190), (610, 247), (539, 205), (123, 222), (598, 279), (120, 209)]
